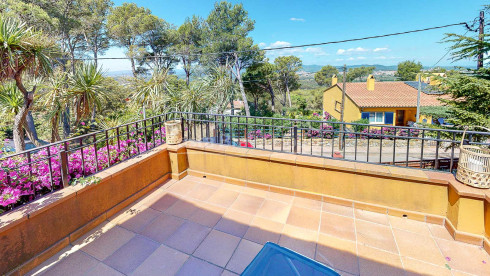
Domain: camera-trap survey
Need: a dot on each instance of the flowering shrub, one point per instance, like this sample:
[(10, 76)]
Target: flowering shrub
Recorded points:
[(325, 131), (21, 181), (257, 134), (382, 133)]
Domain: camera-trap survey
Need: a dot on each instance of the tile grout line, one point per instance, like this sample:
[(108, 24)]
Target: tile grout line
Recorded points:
[(241, 238), (397, 247), (440, 250), (357, 243)]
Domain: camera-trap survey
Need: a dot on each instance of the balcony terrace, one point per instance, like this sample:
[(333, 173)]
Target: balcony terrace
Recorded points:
[(197, 226), (207, 208)]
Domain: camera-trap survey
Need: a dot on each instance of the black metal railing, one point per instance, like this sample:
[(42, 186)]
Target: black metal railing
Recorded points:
[(426, 148), (31, 174), (39, 171)]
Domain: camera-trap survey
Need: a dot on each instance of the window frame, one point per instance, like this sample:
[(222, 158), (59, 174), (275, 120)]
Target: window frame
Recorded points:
[(375, 122), (339, 106)]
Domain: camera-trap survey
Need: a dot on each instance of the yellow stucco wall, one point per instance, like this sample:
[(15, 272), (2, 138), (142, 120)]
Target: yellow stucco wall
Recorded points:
[(352, 112), (334, 94)]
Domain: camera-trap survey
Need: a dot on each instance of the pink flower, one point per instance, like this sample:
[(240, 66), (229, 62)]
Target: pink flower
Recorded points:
[(9, 196), (82, 123)]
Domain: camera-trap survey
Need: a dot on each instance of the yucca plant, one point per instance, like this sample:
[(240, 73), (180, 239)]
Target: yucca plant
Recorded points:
[(221, 86), (23, 51), (149, 93), (11, 99), (86, 88), (55, 99)]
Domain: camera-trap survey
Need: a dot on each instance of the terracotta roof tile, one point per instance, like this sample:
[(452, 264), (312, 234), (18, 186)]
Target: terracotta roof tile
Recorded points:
[(388, 94)]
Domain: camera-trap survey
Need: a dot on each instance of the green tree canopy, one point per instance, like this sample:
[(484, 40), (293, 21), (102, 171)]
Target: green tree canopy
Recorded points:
[(228, 27), (189, 41), (324, 76), (469, 104), (287, 68), (408, 70), (127, 25), (359, 73)]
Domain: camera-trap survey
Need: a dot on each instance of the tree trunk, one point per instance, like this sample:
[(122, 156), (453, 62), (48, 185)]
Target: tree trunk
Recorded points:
[(271, 91), (19, 119), (18, 130), (55, 135), (244, 96), (66, 122), (94, 113), (32, 136), (95, 56), (187, 71), (31, 130), (232, 106), (289, 94), (133, 67)]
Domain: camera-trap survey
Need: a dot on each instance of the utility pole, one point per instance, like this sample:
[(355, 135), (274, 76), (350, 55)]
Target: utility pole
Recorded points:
[(480, 37), (418, 98), (342, 108)]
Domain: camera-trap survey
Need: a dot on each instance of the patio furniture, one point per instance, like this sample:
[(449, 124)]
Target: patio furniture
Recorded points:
[(474, 165), (276, 260), (442, 122), (173, 130)]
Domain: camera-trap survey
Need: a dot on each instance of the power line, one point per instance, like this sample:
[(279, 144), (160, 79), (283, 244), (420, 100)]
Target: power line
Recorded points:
[(291, 47), (433, 66)]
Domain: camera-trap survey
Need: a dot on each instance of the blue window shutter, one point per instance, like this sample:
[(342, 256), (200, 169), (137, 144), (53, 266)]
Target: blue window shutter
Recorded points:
[(389, 118), (365, 115)]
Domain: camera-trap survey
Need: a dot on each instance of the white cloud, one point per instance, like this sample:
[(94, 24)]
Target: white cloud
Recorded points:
[(278, 44), (339, 59), (352, 51), (299, 52), (360, 58), (351, 58), (384, 49), (340, 51), (297, 19), (317, 51)]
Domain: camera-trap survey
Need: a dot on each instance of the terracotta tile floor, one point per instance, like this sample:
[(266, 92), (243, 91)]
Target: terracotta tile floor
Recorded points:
[(196, 226)]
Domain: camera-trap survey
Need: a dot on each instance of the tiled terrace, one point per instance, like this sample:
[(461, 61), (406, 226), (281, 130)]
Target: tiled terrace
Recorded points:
[(198, 226)]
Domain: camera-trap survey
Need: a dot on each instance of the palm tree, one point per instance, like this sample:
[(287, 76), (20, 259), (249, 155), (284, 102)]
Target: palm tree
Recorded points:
[(23, 51), (151, 92), (195, 97), (86, 89), (55, 99), (221, 86)]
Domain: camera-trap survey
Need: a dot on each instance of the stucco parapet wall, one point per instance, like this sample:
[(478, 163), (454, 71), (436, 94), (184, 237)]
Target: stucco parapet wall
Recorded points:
[(51, 200), (400, 173)]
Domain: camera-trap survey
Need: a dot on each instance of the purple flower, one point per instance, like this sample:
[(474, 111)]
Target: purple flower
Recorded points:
[(9, 196)]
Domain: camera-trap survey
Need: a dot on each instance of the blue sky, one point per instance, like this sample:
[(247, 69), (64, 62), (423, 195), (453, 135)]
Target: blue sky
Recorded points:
[(287, 22)]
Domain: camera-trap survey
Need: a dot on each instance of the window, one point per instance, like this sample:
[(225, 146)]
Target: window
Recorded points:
[(376, 118), (338, 106)]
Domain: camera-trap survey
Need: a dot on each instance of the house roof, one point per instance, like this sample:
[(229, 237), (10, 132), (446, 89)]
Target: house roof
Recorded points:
[(425, 87), (236, 105), (388, 94)]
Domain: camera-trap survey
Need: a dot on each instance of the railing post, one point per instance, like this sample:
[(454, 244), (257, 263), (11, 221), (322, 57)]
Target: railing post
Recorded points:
[(64, 168), (182, 126), (295, 139)]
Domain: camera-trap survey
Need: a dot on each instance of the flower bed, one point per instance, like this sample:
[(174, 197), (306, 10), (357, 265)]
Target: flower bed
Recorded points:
[(22, 181)]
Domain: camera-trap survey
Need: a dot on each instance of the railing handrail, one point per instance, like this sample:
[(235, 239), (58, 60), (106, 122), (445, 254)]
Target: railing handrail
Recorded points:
[(36, 149)]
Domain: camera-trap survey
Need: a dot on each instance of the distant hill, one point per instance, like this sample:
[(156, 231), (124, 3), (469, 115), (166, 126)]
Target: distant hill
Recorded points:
[(313, 68)]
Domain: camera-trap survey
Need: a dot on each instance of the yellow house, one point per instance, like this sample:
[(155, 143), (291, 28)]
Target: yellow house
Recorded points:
[(387, 103)]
